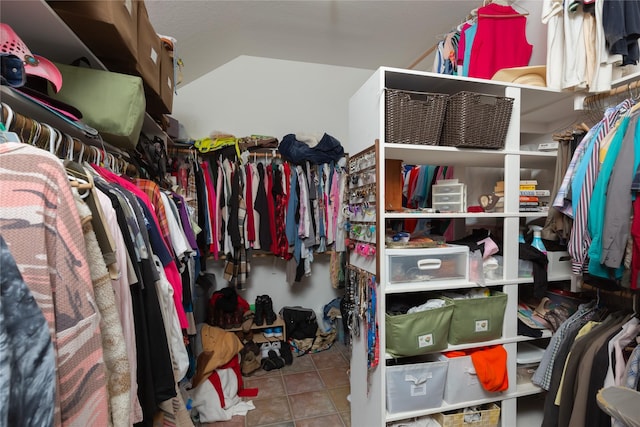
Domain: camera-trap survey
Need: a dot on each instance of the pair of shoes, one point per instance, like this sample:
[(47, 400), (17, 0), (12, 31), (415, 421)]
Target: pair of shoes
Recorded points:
[(273, 332), (273, 361), (264, 310), (268, 346)]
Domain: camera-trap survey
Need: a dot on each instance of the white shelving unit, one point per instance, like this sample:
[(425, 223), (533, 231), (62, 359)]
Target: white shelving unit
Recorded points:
[(535, 110)]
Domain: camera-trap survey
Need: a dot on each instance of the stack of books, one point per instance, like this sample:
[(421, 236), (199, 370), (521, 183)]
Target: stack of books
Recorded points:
[(532, 199)]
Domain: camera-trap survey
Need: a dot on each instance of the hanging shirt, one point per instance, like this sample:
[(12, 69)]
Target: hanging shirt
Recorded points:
[(499, 42), (553, 18), (249, 197), (470, 35), (575, 63), (41, 226)]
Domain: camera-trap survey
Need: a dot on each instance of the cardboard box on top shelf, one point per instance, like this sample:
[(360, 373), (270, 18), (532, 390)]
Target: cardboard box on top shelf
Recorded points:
[(108, 28), (149, 53), (162, 102)]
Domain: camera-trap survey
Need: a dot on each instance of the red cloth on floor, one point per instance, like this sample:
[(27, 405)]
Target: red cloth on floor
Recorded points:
[(490, 364)]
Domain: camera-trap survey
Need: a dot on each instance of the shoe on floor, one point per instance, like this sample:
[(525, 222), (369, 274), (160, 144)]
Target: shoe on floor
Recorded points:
[(264, 349)]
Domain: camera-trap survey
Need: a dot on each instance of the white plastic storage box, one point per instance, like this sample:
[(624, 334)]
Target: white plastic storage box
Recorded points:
[(462, 383), (442, 265), (416, 386), (559, 267)]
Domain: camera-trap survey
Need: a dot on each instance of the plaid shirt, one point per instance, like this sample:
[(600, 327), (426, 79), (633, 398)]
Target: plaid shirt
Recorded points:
[(152, 190), (542, 376)]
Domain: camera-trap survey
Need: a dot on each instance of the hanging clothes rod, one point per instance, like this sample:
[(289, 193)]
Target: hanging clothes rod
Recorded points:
[(633, 85), (36, 133)]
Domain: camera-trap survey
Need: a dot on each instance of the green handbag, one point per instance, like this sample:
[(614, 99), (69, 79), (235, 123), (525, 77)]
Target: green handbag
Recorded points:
[(112, 103)]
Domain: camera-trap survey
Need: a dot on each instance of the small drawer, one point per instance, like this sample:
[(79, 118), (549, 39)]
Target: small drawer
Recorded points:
[(448, 207), (447, 198), (448, 264), (447, 188)]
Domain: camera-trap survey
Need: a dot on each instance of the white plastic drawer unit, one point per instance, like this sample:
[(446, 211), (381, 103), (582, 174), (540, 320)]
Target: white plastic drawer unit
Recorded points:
[(443, 265)]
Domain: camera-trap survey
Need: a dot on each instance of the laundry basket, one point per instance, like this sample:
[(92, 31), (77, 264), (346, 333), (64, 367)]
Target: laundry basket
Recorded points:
[(414, 117), (476, 120)]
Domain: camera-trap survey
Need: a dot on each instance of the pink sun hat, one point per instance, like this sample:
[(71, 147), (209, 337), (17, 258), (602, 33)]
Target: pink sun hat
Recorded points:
[(34, 65)]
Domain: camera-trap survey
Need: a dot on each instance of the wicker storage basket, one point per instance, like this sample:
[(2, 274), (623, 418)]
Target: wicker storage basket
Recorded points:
[(414, 117), (488, 418), (476, 120)]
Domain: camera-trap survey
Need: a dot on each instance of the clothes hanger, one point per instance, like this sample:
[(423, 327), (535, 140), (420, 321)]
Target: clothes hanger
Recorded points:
[(5, 134)]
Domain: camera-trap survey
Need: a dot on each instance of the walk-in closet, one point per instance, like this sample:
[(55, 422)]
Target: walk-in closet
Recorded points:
[(319, 213)]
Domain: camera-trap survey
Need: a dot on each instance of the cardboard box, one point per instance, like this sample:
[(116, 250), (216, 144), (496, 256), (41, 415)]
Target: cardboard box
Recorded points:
[(162, 102), (149, 52), (108, 28), (166, 79)]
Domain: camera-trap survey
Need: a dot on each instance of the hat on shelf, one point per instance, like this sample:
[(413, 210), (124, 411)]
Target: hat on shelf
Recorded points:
[(34, 65), (534, 75)]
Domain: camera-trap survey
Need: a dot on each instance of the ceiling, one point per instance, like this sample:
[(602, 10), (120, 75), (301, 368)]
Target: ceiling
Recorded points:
[(349, 33)]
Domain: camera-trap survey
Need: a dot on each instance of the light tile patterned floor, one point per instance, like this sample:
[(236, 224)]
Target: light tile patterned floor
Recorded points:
[(312, 392)]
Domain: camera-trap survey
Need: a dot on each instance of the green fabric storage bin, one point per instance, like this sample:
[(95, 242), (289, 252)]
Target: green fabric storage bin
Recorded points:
[(418, 333), (112, 103), (477, 319)]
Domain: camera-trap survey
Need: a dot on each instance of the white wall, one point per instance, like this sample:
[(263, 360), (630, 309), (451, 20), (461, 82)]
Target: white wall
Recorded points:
[(252, 95)]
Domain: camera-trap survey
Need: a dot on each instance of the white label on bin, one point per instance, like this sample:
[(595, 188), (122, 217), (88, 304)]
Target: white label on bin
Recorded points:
[(482, 325), (169, 82), (418, 390), (425, 340), (154, 56)]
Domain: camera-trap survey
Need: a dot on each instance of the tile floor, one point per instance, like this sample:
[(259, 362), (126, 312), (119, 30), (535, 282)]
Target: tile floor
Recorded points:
[(312, 392)]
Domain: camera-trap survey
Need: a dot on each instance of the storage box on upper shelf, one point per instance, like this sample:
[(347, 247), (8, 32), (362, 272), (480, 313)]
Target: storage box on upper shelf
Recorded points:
[(108, 28), (149, 51), (447, 264), (476, 120), (162, 102), (415, 386), (477, 319), (411, 334), (463, 384), (414, 117)]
